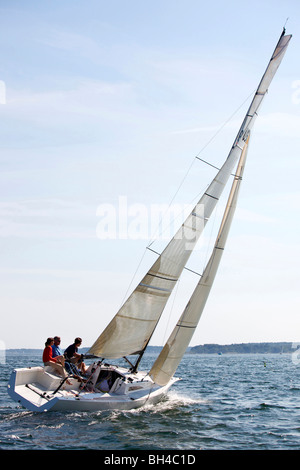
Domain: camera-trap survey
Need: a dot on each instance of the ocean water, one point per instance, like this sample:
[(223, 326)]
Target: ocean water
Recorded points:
[(228, 402)]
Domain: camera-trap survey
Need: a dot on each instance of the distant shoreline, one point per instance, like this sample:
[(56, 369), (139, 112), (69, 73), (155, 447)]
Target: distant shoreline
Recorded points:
[(236, 348), (245, 348)]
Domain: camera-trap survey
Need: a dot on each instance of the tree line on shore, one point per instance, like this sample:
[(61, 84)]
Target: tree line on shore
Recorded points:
[(245, 348)]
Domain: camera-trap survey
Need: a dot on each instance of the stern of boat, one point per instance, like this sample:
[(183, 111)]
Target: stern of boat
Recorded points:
[(33, 388)]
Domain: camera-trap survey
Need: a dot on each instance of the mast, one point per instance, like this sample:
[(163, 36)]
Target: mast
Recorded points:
[(168, 360), (130, 330)]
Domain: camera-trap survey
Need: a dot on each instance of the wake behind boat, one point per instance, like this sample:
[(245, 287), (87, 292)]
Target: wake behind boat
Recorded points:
[(108, 386)]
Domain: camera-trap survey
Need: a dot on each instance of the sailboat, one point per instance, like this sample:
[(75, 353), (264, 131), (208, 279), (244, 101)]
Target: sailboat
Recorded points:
[(108, 386)]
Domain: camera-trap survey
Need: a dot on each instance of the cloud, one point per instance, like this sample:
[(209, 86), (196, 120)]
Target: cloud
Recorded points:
[(94, 98), (280, 123), (283, 124), (46, 218), (80, 44)]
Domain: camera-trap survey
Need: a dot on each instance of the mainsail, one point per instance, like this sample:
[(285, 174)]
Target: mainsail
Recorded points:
[(168, 360), (131, 328)]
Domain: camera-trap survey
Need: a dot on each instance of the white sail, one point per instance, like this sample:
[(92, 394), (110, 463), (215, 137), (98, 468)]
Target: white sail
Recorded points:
[(132, 327), (108, 387), (168, 360)]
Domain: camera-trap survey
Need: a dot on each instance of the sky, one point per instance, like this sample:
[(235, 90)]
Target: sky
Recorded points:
[(103, 108)]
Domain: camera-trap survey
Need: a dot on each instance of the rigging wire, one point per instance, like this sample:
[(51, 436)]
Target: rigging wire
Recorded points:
[(224, 124), (196, 157), (134, 275)]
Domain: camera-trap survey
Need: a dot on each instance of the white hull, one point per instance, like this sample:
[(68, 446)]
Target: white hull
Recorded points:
[(35, 389)]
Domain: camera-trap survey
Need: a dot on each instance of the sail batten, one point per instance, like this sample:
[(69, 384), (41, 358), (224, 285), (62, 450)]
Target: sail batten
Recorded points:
[(146, 303)]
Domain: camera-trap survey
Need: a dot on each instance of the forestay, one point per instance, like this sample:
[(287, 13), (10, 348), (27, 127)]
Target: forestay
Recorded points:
[(132, 327)]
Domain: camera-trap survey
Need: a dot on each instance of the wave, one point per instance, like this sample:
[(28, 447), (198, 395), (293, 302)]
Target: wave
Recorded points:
[(172, 401)]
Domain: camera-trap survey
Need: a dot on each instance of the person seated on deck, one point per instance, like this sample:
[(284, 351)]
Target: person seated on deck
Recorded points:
[(71, 355), (56, 351), (57, 363)]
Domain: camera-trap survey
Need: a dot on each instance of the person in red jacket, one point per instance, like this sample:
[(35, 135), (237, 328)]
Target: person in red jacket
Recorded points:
[(57, 362)]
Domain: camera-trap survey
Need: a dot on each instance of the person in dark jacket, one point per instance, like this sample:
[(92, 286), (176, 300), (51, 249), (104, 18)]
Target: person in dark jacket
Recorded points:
[(72, 355)]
